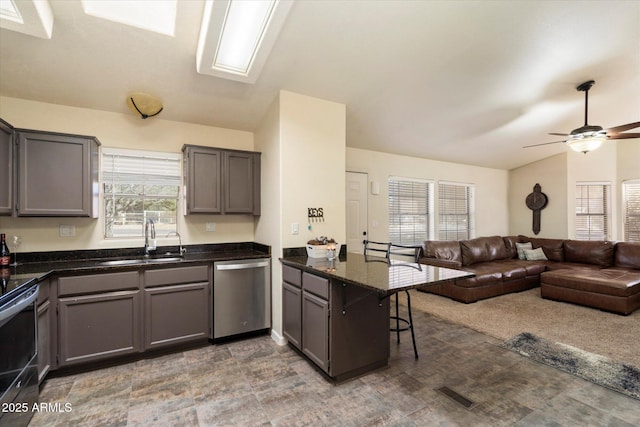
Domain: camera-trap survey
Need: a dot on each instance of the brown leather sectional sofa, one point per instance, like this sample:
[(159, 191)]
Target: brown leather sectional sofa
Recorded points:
[(598, 274)]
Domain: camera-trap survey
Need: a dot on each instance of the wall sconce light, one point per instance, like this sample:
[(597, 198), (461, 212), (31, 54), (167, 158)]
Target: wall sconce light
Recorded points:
[(144, 104)]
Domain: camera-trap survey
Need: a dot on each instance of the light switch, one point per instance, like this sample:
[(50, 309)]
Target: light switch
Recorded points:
[(295, 228)]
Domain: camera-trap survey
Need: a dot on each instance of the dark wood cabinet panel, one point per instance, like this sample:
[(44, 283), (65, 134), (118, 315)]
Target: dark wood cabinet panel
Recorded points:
[(221, 181), (44, 339), (176, 314), (315, 330), (100, 326), (292, 314), (57, 174), (6, 168)]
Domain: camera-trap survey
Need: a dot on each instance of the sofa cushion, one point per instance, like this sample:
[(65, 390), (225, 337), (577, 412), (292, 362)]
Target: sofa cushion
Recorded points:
[(535, 255), (510, 244), (521, 247), (627, 255), (589, 252), (483, 249), (615, 282), (442, 249), (553, 248)]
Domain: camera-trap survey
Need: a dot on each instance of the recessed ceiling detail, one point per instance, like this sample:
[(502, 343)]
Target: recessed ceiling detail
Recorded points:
[(31, 17), (236, 37)]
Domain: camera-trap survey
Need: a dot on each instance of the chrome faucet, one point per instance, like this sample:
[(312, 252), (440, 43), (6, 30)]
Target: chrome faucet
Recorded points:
[(183, 250), (149, 236)]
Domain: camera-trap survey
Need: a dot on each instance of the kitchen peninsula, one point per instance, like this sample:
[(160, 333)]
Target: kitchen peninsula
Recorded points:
[(336, 312)]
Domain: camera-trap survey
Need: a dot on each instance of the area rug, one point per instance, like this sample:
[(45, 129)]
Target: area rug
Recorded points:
[(600, 370)]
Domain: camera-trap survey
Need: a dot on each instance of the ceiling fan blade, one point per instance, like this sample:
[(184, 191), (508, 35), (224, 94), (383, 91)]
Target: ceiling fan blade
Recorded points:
[(625, 135), (559, 134), (622, 128), (544, 143)]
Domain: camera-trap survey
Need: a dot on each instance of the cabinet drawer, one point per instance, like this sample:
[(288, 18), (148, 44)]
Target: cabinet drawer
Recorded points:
[(315, 285), (93, 283), (292, 275), (174, 276)]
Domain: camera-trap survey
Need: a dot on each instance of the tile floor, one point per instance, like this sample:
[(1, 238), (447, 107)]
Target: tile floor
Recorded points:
[(256, 382)]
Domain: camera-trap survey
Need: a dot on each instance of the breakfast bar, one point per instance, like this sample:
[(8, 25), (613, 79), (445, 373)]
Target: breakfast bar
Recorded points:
[(336, 312)]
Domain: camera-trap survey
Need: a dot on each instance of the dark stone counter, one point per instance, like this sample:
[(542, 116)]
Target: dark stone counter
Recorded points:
[(375, 273), (34, 267)]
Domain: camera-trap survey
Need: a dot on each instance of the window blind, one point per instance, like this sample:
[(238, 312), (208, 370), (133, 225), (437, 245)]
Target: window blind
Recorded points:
[(455, 207), (141, 168), (409, 210), (592, 211), (631, 197)]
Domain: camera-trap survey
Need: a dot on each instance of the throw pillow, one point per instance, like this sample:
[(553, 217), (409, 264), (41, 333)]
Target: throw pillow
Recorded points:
[(521, 247), (534, 254)]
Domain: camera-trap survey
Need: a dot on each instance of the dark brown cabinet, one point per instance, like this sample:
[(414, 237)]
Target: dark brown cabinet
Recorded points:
[(177, 305), (46, 329), (99, 317), (343, 329), (6, 168), (220, 181), (57, 174)]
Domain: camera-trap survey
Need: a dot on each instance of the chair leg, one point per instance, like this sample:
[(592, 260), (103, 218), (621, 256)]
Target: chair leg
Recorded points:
[(397, 321), (413, 336)]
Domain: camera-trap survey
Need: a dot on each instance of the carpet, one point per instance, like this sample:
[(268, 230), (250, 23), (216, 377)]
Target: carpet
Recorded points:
[(600, 370)]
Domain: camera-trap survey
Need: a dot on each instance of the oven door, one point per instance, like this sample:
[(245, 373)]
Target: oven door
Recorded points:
[(18, 360)]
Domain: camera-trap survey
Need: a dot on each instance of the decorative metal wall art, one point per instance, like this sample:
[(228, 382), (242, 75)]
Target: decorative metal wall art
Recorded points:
[(536, 201)]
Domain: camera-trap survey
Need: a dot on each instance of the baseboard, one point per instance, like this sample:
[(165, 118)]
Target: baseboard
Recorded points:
[(279, 339)]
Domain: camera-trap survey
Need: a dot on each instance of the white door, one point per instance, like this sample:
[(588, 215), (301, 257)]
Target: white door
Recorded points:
[(356, 211)]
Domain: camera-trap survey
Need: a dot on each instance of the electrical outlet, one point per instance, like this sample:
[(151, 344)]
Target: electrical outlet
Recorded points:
[(67, 230), (210, 226)]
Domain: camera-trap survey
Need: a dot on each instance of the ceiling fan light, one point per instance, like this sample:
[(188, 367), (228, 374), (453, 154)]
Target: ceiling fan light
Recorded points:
[(584, 145)]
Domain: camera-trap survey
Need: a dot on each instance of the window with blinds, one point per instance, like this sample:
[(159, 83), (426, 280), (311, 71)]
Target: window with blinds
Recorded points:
[(455, 211), (139, 185), (592, 211), (410, 210), (631, 210)]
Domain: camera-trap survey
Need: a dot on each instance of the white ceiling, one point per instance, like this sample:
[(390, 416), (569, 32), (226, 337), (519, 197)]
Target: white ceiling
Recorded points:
[(467, 82)]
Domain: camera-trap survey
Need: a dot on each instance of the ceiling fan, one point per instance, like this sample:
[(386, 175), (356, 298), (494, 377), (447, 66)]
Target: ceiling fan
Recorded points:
[(587, 138)]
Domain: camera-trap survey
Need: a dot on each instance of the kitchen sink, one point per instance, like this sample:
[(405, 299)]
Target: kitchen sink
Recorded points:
[(133, 261)]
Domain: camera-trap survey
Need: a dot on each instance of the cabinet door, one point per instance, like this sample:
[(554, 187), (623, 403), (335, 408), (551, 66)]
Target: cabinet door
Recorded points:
[(203, 173), (57, 175), (98, 326), (6, 168), (44, 340), (176, 314), (315, 330), (292, 314), (238, 182)]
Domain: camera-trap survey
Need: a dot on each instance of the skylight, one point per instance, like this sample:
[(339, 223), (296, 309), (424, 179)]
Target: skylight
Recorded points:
[(8, 10), (31, 17), (237, 36), (154, 15)]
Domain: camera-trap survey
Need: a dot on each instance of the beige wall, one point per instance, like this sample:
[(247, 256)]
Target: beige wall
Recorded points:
[(491, 210), (551, 174), (124, 131), (628, 167), (312, 133)]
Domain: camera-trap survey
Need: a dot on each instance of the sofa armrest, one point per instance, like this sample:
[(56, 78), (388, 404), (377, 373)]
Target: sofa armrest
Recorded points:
[(456, 265)]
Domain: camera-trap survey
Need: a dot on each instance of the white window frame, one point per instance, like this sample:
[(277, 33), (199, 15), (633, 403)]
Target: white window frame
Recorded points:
[(156, 172), (631, 210), (414, 206), (463, 211), (592, 211)]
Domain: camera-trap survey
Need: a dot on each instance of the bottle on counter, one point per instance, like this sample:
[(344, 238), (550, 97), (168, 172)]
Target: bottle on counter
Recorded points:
[(5, 254), (5, 276)]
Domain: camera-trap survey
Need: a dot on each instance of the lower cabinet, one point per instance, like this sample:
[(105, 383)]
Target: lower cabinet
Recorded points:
[(177, 305), (100, 326), (341, 328), (46, 330)]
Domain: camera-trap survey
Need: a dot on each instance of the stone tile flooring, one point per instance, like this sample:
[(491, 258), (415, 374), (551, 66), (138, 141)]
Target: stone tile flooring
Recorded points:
[(256, 382)]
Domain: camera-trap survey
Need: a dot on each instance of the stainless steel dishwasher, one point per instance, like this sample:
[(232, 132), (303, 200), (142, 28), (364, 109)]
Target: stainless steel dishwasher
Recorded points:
[(241, 297)]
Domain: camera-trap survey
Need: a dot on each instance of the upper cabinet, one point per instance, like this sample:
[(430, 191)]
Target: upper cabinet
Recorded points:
[(219, 181), (57, 174), (6, 168)]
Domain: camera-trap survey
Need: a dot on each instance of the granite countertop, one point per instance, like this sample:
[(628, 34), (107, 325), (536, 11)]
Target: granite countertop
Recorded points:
[(39, 266), (375, 273)]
